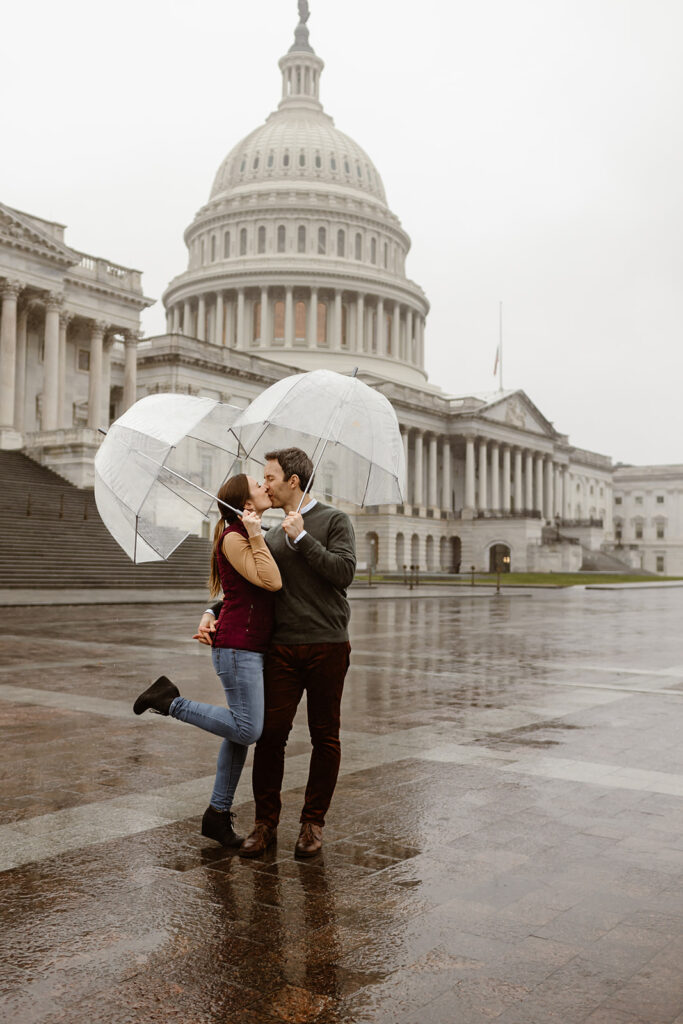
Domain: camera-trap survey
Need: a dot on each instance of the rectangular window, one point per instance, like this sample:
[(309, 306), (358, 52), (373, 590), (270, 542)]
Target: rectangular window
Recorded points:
[(659, 563), (639, 531), (84, 360), (639, 500), (660, 499), (617, 500), (660, 531)]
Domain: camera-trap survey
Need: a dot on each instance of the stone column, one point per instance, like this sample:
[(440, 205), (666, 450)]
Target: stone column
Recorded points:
[(51, 364), (95, 382), (360, 318), (289, 316), (446, 485), (230, 323), (409, 335), (557, 495), (187, 319), (421, 342), (469, 473), (201, 318), (219, 322), (265, 317), (20, 379), (548, 503), (506, 478), (538, 502), (405, 437), (529, 481), (130, 371), (519, 499), (63, 419), (432, 497), (395, 331), (483, 482), (312, 321), (418, 487), (337, 339), (381, 328), (106, 382), (176, 318), (169, 321), (240, 340), (8, 351), (495, 476), (565, 493)]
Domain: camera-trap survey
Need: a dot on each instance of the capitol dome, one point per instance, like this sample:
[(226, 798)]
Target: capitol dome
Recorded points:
[(297, 255)]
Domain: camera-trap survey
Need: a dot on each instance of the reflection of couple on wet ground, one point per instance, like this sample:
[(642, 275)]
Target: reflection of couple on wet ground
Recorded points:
[(281, 629)]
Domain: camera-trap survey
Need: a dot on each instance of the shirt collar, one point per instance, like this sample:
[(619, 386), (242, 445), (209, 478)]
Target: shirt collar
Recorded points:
[(307, 508)]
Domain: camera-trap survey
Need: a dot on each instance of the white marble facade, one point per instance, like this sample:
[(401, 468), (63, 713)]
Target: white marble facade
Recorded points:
[(648, 517), (66, 320), (295, 262)]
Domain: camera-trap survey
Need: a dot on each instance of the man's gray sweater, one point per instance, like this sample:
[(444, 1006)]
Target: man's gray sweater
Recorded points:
[(312, 607)]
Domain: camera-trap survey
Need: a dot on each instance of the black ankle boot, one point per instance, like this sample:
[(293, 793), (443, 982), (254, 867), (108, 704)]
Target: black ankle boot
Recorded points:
[(218, 825), (158, 697)]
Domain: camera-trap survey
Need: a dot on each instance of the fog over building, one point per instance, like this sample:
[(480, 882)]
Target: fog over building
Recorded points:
[(296, 261)]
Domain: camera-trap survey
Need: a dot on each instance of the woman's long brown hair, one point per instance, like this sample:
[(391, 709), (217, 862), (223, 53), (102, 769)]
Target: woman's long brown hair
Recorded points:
[(235, 492)]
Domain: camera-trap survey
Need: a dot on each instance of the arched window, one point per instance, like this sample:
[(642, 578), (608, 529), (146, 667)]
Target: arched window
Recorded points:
[(243, 165), (358, 170), (358, 246), (300, 321), (373, 250), (347, 169), (243, 242), (301, 239), (262, 239), (302, 159), (279, 321), (318, 161), (271, 158), (226, 245), (255, 164), (281, 237), (322, 241), (321, 335), (333, 162), (400, 551), (285, 159), (213, 248), (341, 242)]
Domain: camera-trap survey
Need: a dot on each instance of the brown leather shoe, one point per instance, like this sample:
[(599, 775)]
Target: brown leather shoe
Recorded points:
[(310, 840), (259, 839)]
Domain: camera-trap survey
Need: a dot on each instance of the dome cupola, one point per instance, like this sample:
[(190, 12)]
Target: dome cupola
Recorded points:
[(297, 254)]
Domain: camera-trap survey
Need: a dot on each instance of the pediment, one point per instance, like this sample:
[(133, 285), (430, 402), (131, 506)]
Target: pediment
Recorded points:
[(19, 231), (517, 410)]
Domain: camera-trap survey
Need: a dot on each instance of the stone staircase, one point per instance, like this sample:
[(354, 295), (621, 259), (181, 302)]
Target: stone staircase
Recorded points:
[(51, 537)]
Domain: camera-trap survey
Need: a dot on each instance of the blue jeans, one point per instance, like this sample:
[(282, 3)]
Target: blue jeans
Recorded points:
[(241, 673)]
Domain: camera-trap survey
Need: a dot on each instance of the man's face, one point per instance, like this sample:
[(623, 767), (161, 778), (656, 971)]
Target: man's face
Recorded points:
[(277, 487)]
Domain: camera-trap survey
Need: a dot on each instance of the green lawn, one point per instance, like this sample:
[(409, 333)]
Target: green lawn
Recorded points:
[(526, 579)]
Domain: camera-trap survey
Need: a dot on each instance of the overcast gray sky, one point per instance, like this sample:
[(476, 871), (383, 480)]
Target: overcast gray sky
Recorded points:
[(533, 150)]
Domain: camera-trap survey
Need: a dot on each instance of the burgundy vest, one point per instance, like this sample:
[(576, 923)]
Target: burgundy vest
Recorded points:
[(245, 621)]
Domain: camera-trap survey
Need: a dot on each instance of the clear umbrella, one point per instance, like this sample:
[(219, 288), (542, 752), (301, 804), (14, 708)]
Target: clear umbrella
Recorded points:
[(348, 429), (158, 469)]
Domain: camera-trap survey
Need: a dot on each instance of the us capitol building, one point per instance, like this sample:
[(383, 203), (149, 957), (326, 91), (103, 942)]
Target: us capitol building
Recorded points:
[(297, 262)]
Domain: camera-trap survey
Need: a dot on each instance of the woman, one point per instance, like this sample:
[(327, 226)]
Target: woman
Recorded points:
[(243, 567)]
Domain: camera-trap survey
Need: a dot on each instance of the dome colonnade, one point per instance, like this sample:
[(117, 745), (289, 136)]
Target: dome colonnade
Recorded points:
[(297, 248)]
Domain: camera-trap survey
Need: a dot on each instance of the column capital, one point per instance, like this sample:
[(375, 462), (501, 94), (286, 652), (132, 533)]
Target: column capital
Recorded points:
[(10, 289), (54, 301), (132, 338), (99, 326), (65, 318)]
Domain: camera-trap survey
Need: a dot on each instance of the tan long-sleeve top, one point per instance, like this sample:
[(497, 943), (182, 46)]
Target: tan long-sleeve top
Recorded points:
[(252, 559)]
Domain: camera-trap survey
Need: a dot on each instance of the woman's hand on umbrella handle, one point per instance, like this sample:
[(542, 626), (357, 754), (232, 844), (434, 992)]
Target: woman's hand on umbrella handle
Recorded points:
[(252, 523)]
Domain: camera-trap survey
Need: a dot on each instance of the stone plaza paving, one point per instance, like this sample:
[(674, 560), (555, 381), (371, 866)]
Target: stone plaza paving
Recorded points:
[(505, 843)]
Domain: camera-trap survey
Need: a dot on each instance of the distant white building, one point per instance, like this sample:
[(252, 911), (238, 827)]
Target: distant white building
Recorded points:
[(296, 262), (648, 517)]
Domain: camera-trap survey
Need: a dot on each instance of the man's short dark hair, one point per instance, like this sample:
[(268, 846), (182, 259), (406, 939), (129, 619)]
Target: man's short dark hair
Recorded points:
[(293, 461)]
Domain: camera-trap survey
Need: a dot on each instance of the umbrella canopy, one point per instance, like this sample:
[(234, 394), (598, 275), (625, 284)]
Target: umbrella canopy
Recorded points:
[(158, 468), (348, 429)]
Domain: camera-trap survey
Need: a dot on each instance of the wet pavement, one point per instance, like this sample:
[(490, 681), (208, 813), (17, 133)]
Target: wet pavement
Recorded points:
[(505, 843)]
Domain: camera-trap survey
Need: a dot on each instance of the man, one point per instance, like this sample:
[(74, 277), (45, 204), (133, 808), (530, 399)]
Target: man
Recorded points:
[(315, 552)]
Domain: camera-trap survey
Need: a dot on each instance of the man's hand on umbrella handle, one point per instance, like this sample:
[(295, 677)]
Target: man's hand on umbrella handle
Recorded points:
[(293, 524), (252, 523), (206, 628)]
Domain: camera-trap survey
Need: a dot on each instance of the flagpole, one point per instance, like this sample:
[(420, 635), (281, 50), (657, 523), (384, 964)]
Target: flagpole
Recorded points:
[(500, 345)]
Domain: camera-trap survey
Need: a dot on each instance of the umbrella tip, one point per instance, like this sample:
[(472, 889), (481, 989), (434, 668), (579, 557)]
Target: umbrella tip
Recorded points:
[(354, 372)]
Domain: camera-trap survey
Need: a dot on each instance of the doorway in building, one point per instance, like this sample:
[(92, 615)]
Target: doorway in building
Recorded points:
[(456, 554), (499, 558)]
